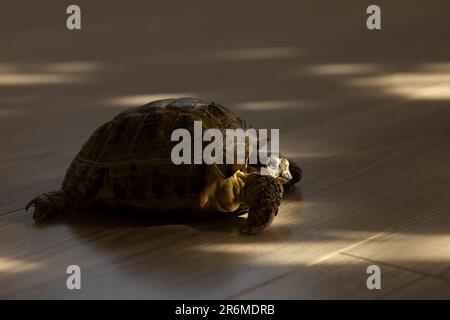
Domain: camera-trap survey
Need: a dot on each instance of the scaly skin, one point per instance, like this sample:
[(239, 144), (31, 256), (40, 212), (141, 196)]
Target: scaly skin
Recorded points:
[(261, 194), (54, 203), (48, 204)]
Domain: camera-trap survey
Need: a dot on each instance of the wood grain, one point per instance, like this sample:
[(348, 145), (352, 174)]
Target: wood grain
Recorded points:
[(365, 113)]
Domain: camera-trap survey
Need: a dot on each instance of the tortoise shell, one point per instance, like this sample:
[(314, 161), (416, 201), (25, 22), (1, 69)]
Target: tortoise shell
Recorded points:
[(127, 160)]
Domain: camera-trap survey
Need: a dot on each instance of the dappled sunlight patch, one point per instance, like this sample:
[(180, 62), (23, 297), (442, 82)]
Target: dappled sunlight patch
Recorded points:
[(46, 73), (429, 85), (141, 99), (278, 253), (404, 244), (340, 69), (72, 66), (11, 265), (270, 105), (259, 53), (17, 79), (430, 80), (317, 248), (438, 92)]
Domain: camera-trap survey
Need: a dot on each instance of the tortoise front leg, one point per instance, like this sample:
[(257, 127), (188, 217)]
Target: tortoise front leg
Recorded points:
[(261, 194)]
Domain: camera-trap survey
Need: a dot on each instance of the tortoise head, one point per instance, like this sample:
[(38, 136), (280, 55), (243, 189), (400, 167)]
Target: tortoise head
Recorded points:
[(277, 168)]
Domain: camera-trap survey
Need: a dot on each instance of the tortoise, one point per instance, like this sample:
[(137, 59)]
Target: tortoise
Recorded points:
[(126, 163)]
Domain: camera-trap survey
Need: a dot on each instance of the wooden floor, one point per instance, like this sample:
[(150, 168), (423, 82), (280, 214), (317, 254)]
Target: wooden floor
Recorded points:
[(366, 114)]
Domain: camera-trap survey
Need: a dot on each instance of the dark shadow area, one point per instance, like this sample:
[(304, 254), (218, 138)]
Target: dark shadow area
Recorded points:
[(232, 222), (124, 218), (364, 112)]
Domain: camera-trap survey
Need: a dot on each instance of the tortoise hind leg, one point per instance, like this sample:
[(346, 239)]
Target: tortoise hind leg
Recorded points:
[(50, 204)]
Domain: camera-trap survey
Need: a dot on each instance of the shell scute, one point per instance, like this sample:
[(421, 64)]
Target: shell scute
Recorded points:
[(127, 159)]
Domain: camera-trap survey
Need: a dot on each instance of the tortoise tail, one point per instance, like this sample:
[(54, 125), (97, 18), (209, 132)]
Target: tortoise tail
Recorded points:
[(48, 204)]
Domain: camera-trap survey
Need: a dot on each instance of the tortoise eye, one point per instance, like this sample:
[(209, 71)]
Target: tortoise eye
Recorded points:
[(272, 164)]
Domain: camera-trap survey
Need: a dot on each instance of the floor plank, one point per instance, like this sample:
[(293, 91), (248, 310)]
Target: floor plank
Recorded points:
[(365, 113), (422, 246), (345, 277)]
